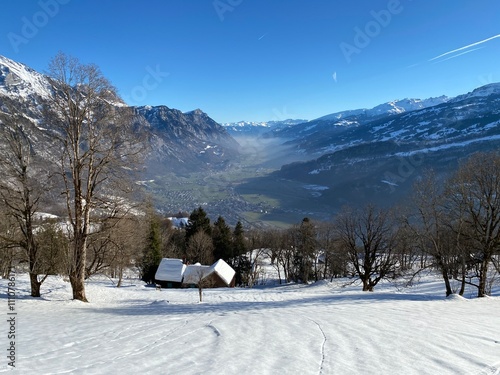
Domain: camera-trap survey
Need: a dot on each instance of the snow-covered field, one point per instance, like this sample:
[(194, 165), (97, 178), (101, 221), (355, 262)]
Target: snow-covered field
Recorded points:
[(323, 328)]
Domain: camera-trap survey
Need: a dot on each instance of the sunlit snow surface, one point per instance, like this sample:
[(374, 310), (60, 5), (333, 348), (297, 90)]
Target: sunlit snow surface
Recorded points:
[(323, 328)]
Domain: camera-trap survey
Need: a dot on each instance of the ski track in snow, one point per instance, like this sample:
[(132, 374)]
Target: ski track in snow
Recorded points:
[(322, 345), (324, 328)]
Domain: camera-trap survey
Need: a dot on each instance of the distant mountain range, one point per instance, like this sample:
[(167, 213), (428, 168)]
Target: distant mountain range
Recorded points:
[(241, 128), (349, 157), (386, 109), (362, 156)]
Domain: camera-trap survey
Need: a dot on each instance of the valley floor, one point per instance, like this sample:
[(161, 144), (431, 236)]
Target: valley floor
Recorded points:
[(323, 328)]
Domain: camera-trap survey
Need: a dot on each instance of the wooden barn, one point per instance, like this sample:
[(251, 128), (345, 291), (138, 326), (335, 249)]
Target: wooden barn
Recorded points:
[(218, 275), (169, 273), (172, 273)]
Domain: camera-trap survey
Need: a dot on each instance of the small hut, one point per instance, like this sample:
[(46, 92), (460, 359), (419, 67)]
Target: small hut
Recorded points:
[(223, 274), (170, 273)]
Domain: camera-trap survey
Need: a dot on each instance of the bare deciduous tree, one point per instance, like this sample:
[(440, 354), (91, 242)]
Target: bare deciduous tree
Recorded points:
[(53, 247), (115, 246), (128, 241), (429, 226), (21, 190), (203, 280), (97, 149), (200, 248), (335, 261), (474, 192), (367, 237), (8, 247), (274, 246)]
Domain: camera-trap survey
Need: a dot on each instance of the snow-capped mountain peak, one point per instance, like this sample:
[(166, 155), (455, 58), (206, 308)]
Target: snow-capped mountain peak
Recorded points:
[(490, 89), (480, 93), (405, 105), (255, 127), (19, 80), (195, 112), (390, 108)]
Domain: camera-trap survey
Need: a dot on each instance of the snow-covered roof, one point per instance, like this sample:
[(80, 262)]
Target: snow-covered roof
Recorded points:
[(170, 270), (179, 222), (224, 270), (194, 272), (175, 271)]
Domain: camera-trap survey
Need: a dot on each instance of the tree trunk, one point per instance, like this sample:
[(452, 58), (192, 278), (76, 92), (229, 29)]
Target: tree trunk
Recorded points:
[(442, 264), (278, 269), (200, 292), (7, 268), (120, 276), (483, 277), (462, 283), (78, 286), (366, 285), (446, 281), (77, 273), (35, 285)]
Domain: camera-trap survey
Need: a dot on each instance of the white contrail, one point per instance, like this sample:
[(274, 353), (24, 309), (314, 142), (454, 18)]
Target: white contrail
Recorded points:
[(465, 47), (460, 54)]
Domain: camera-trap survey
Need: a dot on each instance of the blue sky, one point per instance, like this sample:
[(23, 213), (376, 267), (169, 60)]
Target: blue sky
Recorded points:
[(259, 60)]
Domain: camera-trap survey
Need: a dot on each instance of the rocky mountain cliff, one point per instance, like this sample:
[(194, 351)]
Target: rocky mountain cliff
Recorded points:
[(184, 142), (177, 142)]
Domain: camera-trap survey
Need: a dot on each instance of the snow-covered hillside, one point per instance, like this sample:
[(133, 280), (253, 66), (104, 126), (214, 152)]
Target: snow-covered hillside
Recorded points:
[(486, 90), (390, 108), (19, 80), (324, 328)]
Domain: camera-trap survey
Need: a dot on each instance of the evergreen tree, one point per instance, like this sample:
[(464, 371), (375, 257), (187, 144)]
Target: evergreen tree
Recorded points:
[(152, 252), (198, 221), (221, 237), (239, 245), (306, 238), (240, 261)]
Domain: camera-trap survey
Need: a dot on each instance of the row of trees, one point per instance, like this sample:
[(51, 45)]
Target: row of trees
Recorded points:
[(199, 242), (451, 226)]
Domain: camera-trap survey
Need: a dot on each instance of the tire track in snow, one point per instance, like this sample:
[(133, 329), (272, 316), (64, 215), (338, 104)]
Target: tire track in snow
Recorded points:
[(490, 370), (214, 329)]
